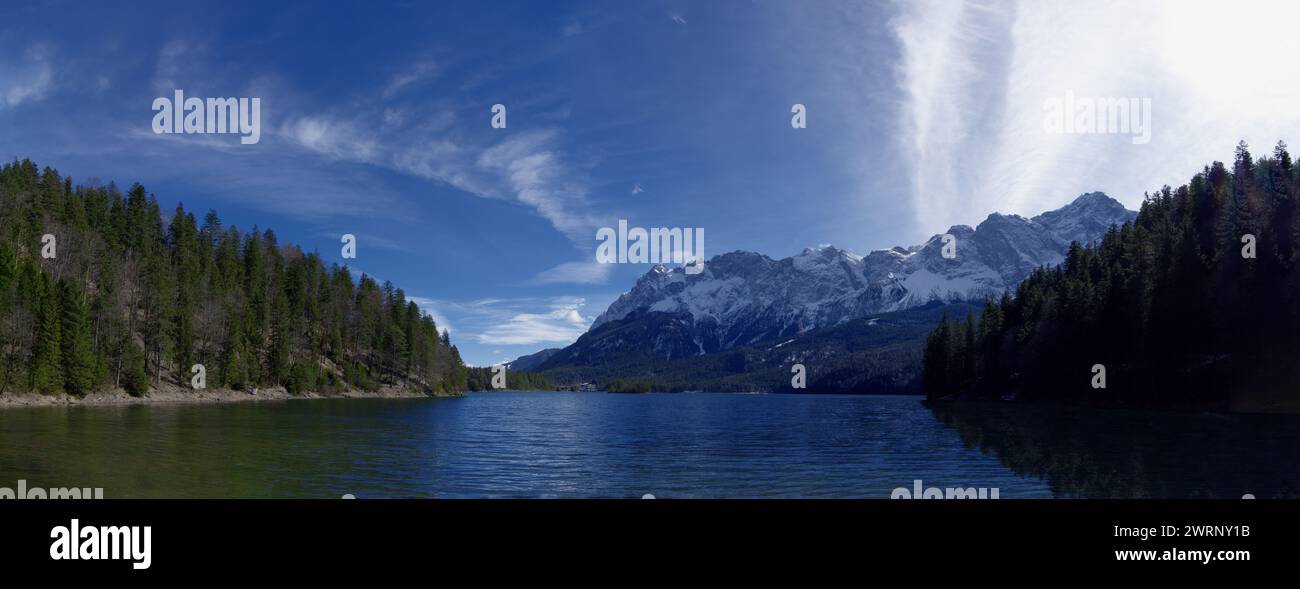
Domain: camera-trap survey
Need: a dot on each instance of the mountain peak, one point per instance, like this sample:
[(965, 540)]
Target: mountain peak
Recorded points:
[(826, 253), (998, 217), (1086, 218), (1094, 198), (744, 297), (960, 230)]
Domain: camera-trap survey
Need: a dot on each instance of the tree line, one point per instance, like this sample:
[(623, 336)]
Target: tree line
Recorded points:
[(99, 291), (1193, 303), (480, 379)]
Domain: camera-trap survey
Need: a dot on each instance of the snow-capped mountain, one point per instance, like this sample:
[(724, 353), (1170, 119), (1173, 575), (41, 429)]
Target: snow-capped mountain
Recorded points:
[(743, 297)]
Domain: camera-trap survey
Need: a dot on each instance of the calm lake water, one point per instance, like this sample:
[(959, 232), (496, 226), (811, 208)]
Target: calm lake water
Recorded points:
[(603, 445)]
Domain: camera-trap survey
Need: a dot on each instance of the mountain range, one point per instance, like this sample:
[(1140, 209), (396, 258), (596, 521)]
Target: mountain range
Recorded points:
[(744, 300)]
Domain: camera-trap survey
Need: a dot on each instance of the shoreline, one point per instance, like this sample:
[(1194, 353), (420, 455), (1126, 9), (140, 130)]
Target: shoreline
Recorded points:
[(174, 395)]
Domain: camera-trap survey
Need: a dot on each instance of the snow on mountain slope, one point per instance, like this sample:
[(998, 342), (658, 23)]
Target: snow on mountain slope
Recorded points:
[(746, 297)]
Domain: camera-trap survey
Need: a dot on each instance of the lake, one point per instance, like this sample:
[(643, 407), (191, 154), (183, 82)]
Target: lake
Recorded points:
[(574, 445)]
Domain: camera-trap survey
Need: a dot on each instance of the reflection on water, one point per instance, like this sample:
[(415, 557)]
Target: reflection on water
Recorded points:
[(502, 445), (1096, 453), (244, 449), (601, 445)]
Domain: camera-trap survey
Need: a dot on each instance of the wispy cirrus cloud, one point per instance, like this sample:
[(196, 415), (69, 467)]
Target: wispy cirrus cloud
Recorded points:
[(535, 171), (527, 167), (581, 272), (335, 138), (408, 134), (974, 77), (946, 99), (420, 71), (27, 79)]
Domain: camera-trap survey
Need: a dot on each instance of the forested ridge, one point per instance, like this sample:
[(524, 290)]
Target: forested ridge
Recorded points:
[(879, 354), (1194, 303), (480, 379), (130, 300)]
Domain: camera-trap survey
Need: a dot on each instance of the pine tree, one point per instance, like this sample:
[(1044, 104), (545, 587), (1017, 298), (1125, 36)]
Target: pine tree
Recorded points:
[(969, 351), (278, 361), (135, 378), (47, 373), (1171, 304), (234, 356), (936, 359), (78, 354), (133, 299), (183, 237)]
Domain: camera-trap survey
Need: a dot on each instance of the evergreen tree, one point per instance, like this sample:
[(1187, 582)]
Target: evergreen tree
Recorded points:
[(135, 379), (234, 356), (131, 300), (936, 359), (78, 353), (1175, 305), (47, 372), (281, 340)]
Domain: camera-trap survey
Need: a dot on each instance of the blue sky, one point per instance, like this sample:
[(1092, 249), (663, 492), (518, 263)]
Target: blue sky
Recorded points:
[(375, 122)]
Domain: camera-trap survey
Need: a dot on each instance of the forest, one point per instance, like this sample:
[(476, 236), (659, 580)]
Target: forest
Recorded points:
[(480, 379), (100, 291), (1194, 304)]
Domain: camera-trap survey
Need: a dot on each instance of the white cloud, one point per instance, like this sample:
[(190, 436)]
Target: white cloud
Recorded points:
[(526, 167), (975, 76), (583, 272), (536, 173), (28, 80), (562, 324), (517, 321), (332, 137), (420, 71)]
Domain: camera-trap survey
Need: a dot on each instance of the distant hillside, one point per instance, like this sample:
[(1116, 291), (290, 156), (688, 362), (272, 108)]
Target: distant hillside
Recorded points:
[(97, 292), (530, 362), (878, 354)]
